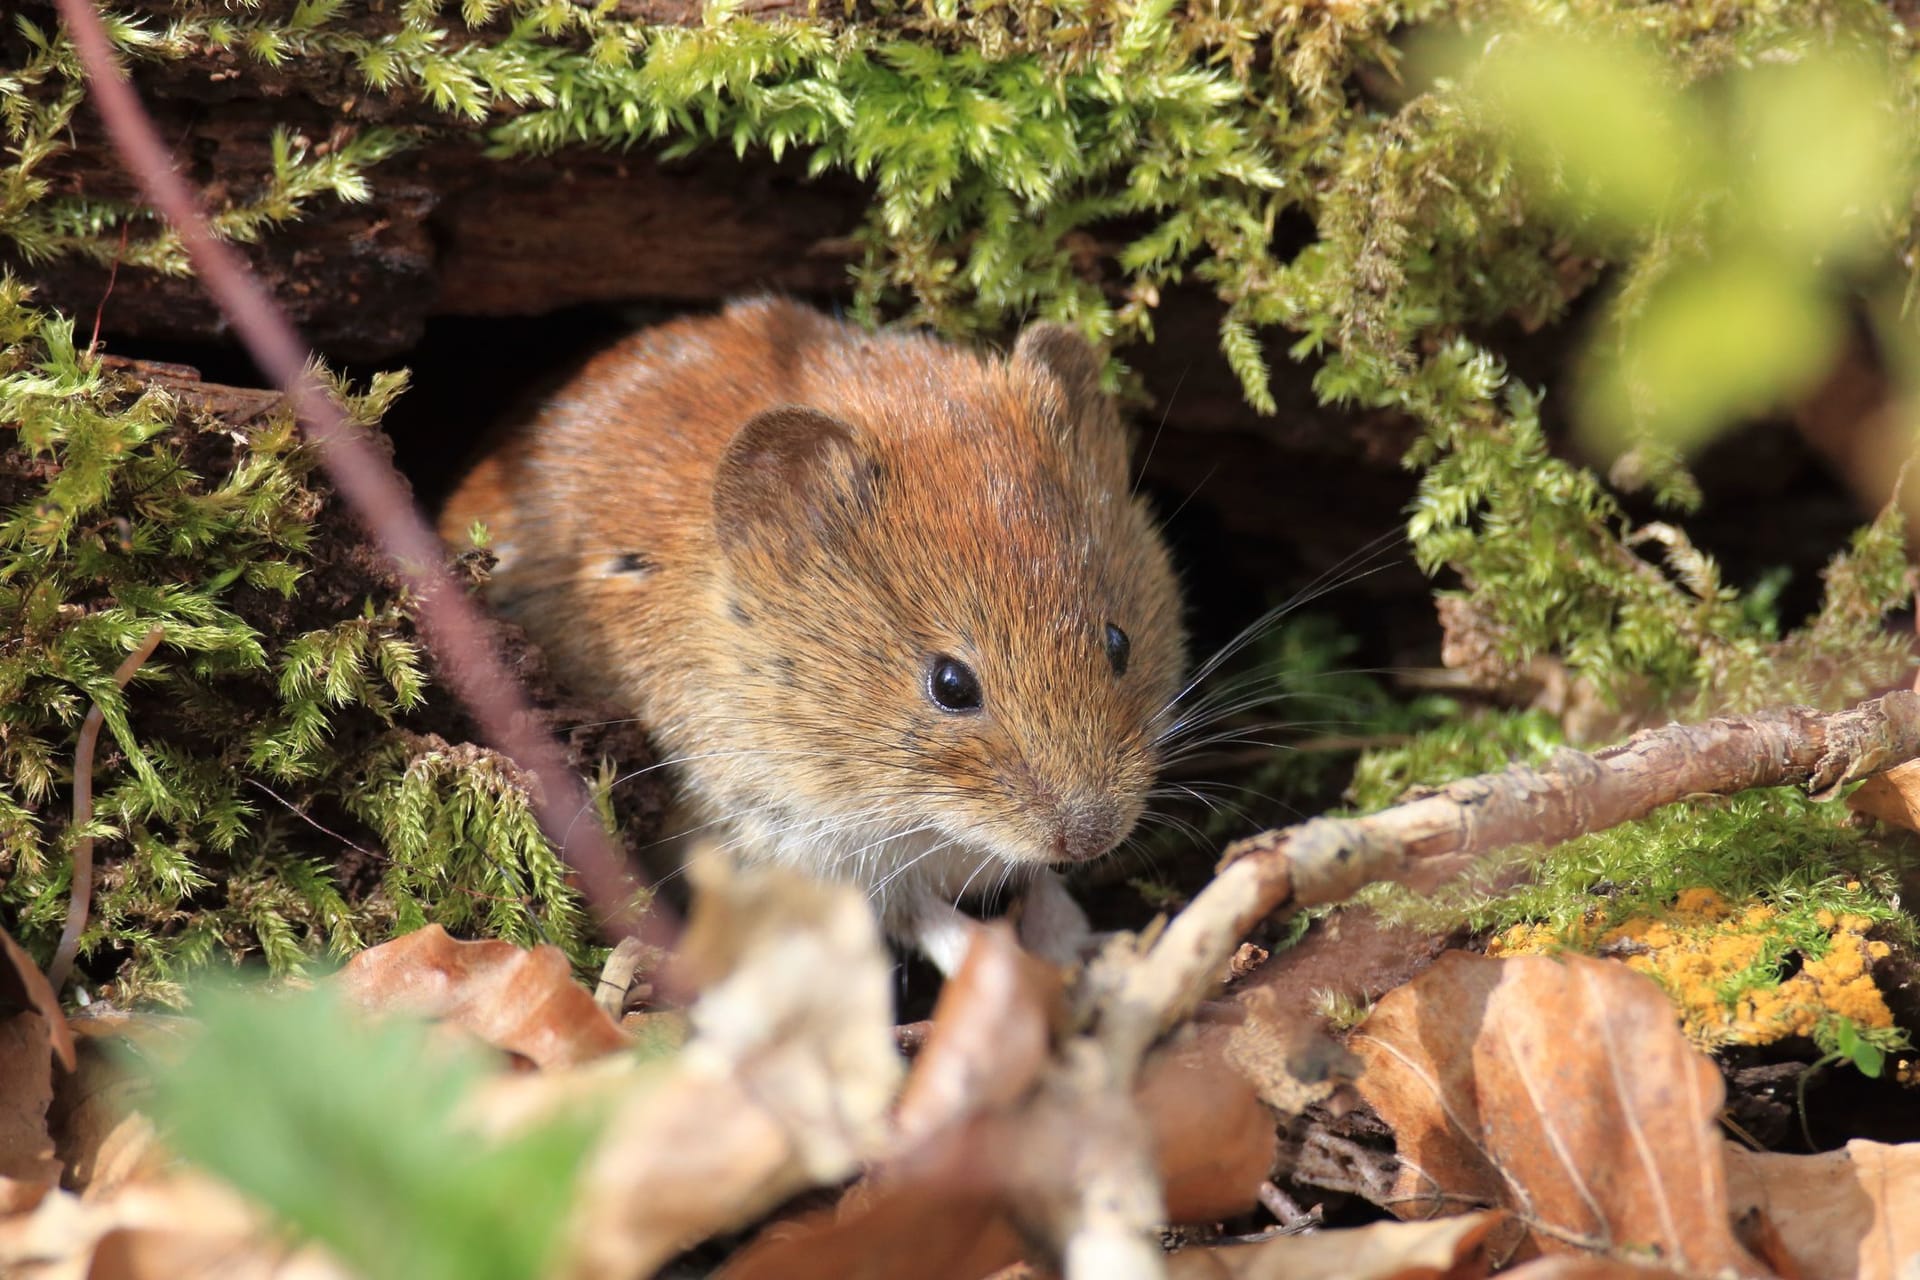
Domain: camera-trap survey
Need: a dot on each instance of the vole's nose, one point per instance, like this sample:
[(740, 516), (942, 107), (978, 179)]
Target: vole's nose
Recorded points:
[(1085, 830)]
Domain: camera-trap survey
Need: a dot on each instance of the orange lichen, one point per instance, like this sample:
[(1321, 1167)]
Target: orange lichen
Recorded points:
[(1719, 961)]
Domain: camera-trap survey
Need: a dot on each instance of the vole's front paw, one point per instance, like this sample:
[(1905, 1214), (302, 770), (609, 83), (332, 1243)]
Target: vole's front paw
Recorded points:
[(1051, 924)]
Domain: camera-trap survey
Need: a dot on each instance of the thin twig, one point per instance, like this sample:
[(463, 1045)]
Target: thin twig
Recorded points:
[(80, 893), (308, 818), (113, 273), (452, 627)]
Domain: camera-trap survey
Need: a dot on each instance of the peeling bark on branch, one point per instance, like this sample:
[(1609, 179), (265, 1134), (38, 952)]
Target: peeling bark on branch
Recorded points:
[(1327, 860)]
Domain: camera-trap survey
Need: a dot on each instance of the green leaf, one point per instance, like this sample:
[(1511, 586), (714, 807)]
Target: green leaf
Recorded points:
[(1598, 120), (346, 1131), (1716, 341), (1825, 154), (1868, 1058)]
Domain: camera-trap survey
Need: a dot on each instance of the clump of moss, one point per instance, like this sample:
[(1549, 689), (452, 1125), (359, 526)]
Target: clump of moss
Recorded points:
[(258, 789), (1465, 742)]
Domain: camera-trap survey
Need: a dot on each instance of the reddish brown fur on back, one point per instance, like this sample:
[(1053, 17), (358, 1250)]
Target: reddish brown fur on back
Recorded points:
[(977, 508)]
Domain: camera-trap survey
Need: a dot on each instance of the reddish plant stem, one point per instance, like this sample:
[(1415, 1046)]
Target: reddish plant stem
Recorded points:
[(451, 626), (113, 273), (80, 892)]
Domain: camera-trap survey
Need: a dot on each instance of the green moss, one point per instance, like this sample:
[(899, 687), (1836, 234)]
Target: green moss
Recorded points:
[(1774, 846), (264, 722), (1467, 742), (38, 98), (464, 847)]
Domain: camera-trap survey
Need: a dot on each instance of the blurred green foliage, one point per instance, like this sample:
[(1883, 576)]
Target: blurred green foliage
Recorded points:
[(1753, 204), (347, 1131)]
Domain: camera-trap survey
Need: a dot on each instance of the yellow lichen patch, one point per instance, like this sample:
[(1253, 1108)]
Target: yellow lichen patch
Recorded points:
[(1719, 961)]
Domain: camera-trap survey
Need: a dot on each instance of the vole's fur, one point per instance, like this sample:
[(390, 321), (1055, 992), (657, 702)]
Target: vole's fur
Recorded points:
[(759, 529)]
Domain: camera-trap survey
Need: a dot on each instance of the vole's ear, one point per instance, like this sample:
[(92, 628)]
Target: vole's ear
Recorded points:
[(791, 474), (1063, 352), (1087, 413)]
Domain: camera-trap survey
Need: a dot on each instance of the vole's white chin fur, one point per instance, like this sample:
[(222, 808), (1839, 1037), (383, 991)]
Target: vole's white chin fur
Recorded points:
[(904, 866)]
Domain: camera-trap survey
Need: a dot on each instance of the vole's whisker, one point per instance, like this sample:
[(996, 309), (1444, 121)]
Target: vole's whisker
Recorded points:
[(1179, 824), (876, 894), (1341, 575), (986, 860), (1287, 735), (883, 840), (1206, 718), (1219, 806)]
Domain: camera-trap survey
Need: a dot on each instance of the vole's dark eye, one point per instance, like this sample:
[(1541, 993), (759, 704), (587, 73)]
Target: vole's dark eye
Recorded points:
[(952, 685), (1118, 647)]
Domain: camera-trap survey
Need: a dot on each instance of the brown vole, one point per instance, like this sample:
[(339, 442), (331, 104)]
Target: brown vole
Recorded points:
[(889, 606)]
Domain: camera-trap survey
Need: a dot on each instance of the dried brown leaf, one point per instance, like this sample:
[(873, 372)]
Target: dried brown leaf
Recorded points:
[(102, 1139), (796, 1000), (784, 1083), (1846, 1213), (989, 1039), (991, 1148), (27, 1164), (23, 986), (939, 1210), (1892, 797), (676, 1164), (100, 1136), (1213, 1140), (1589, 1267), (33, 1031), (161, 1229), (1279, 1043), (1563, 1090), (940, 1217), (170, 1253), (525, 1002), (1443, 1249)]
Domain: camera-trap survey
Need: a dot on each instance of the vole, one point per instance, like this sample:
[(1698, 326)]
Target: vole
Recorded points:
[(890, 606)]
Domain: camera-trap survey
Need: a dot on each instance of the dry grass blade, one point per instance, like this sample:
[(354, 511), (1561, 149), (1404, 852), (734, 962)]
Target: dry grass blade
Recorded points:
[(1560, 1089), (82, 893)]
